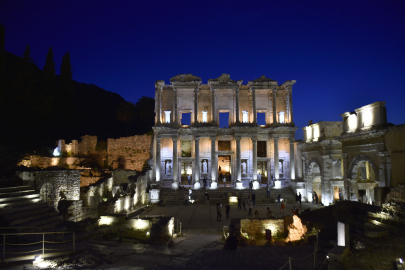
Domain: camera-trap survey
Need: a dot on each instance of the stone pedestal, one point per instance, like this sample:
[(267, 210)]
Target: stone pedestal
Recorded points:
[(239, 185), (197, 185), (214, 185), (175, 185), (277, 184), (256, 185), (154, 195)]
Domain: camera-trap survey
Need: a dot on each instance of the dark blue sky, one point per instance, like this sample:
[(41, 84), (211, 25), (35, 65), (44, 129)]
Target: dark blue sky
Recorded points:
[(343, 54)]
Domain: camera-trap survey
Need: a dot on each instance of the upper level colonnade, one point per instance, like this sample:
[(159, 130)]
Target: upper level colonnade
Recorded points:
[(204, 102)]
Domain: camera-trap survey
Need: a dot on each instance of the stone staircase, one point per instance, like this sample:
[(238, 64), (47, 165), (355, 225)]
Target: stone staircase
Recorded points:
[(22, 207), (176, 197)]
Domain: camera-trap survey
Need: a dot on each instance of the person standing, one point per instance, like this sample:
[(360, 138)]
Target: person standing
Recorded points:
[(254, 199), (250, 186), (268, 190), (278, 199), (239, 202), (257, 214), (189, 179), (269, 213), (299, 199), (185, 199), (244, 204), (227, 209), (296, 199), (316, 197), (313, 197), (250, 205), (219, 215), (282, 207)]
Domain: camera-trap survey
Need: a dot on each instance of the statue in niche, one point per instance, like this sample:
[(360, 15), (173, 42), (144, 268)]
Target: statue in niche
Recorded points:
[(168, 168), (204, 166), (243, 167)]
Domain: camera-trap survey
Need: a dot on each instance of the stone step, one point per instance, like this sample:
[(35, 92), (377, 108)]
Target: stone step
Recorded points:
[(14, 189), (33, 218), (14, 204), (26, 207), (17, 193), (15, 215), (18, 198), (44, 222)]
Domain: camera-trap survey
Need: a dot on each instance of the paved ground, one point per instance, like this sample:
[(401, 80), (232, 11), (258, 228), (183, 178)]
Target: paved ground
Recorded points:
[(200, 247), (204, 217)]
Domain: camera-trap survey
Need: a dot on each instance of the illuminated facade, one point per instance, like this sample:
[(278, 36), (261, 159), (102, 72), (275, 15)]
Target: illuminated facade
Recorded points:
[(352, 159), (191, 140)]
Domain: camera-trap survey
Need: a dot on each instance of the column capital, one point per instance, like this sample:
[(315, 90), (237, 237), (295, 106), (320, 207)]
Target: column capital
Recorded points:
[(292, 139), (275, 138), (238, 139), (197, 139), (175, 139), (213, 138), (254, 139), (158, 138)]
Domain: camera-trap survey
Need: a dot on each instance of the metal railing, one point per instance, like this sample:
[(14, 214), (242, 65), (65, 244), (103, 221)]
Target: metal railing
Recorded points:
[(34, 245)]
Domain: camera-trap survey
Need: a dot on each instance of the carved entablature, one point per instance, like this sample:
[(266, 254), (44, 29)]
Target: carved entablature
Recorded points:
[(263, 83), (188, 79), (363, 135), (224, 82)]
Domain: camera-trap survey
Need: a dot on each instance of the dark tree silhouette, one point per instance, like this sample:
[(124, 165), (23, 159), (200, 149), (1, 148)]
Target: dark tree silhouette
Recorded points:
[(145, 114), (48, 85), (125, 114), (2, 63)]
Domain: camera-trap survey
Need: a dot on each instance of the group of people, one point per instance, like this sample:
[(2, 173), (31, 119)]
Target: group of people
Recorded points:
[(219, 211)]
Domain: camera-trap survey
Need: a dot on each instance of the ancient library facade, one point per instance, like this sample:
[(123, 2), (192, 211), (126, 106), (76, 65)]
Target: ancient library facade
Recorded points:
[(210, 133)]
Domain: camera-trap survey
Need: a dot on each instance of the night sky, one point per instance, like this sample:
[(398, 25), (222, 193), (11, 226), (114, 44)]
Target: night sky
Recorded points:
[(343, 54)]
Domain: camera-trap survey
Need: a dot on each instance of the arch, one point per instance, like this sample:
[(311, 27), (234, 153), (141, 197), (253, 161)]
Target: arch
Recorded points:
[(356, 162), (46, 193), (313, 162)]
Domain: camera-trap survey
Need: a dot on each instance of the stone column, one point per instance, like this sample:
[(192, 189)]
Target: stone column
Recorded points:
[(197, 163), (238, 164), (292, 159), (195, 105), (214, 172), (254, 106), (159, 109), (287, 108), (237, 105), (213, 113), (276, 160), (274, 106), (175, 170), (174, 105), (256, 184), (291, 109), (157, 163)]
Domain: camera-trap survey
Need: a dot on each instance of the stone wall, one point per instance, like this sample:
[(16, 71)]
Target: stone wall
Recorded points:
[(129, 153), (256, 228), (101, 189), (121, 176), (395, 145), (75, 212), (65, 184)]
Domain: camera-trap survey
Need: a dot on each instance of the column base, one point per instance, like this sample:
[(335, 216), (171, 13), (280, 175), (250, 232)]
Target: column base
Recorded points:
[(175, 185), (256, 184), (277, 184), (239, 185), (214, 185), (197, 185)]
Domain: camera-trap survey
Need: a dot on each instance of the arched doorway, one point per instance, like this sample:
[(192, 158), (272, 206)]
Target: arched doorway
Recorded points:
[(364, 176), (46, 193), (314, 174)]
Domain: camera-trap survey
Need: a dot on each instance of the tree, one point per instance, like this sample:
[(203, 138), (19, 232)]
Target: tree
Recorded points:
[(126, 113), (2, 62), (48, 85), (64, 100), (145, 114)]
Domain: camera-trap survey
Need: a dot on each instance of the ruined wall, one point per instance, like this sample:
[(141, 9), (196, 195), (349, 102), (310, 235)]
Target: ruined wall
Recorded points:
[(65, 183), (129, 153), (395, 145), (121, 176), (256, 227), (75, 212)]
